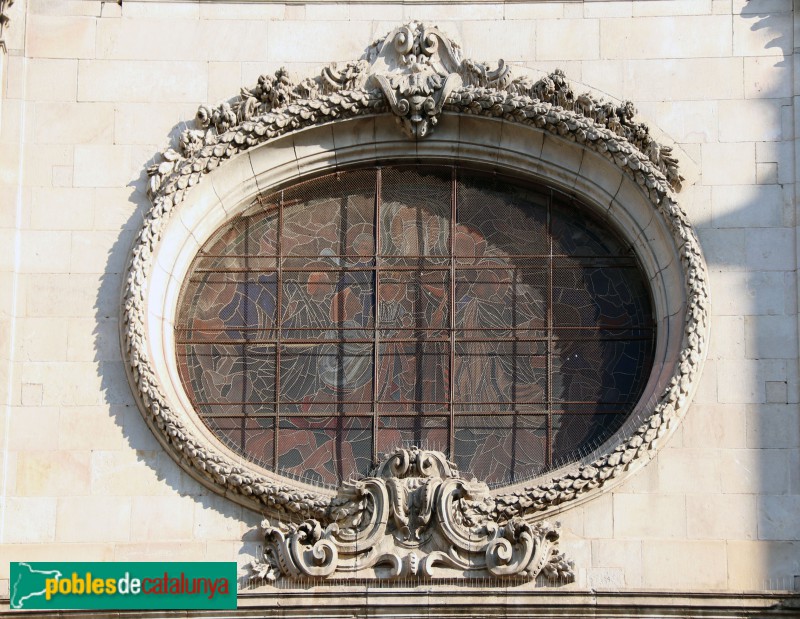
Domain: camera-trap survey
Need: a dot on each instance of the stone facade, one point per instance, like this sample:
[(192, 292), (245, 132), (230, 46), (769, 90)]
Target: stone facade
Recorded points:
[(93, 92)]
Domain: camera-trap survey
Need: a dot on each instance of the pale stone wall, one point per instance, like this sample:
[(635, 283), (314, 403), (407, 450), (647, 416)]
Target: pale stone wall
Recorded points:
[(92, 91)]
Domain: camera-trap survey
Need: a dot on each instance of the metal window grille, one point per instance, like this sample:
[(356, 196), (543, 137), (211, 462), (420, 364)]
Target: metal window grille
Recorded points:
[(336, 319)]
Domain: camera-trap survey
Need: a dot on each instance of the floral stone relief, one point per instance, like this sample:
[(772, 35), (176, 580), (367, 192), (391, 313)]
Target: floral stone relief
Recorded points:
[(416, 522)]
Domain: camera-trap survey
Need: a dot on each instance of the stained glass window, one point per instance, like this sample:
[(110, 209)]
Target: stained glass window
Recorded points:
[(331, 321)]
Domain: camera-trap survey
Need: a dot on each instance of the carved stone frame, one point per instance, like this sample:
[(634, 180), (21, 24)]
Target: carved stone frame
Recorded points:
[(487, 124)]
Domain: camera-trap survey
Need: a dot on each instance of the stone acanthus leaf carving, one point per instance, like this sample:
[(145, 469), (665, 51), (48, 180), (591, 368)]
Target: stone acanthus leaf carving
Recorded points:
[(280, 109), (414, 518)]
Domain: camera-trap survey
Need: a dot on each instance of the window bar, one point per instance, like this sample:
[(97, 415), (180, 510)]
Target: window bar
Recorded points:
[(340, 373), (376, 317), (278, 334), (514, 350), (243, 425), (451, 368), (549, 360)]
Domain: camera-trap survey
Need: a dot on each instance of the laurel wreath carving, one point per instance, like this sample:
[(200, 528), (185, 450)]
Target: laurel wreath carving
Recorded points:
[(276, 106)]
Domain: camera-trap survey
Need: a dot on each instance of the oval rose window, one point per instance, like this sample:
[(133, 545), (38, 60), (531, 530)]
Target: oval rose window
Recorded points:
[(497, 321)]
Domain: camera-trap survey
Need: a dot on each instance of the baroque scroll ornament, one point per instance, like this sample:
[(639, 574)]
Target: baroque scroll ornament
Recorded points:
[(423, 68), (414, 518)]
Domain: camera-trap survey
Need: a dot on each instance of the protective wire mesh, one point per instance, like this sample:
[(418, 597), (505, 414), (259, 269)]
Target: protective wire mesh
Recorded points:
[(334, 320)]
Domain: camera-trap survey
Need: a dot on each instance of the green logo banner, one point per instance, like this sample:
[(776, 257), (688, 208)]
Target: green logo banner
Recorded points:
[(119, 586)]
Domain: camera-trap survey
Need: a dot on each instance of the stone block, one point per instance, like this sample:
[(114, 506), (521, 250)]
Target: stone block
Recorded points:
[(606, 76), (217, 518), (93, 519), (608, 8), (102, 166), (721, 78), (684, 121), (750, 206), (67, 383), (708, 385), (770, 249), (87, 8), (137, 434), (771, 337), (723, 249), (62, 176), (526, 10), (40, 160), (29, 521), (742, 381), (598, 518), (492, 40), (89, 339), (685, 565), (53, 552), (714, 426), (666, 37), (100, 251), (777, 391), (62, 208), (282, 38), (756, 566), (769, 292), (641, 516), (244, 39), (52, 473), (728, 164), (142, 81), (76, 295), (755, 120), (721, 516), (754, 471), (31, 394), (766, 173), (33, 428), (224, 80), (177, 39), (222, 551), (152, 123), (128, 473), (51, 79), (671, 7), (117, 208), (89, 428), (609, 578), (777, 517), (767, 77), (559, 39), (58, 36), (160, 551), (689, 471), (241, 10), (42, 339), (773, 427), (162, 518), (89, 123), (45, 251), (763, 35)]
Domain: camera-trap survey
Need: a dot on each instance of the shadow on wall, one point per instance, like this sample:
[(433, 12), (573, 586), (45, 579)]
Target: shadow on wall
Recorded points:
[(746, 409), (745, 413), (214, 518)]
